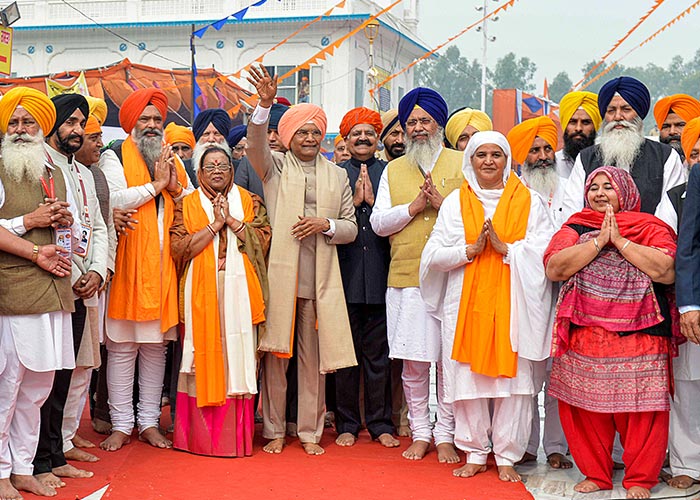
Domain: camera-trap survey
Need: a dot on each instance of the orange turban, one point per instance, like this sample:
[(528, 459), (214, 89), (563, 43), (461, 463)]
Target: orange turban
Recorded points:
[(36, 103), (683, 105), (689, 136), (92, 126), (360, 115), (175, 133), (98, 108), (298, 116), (133, 106), (337, 139), (523, 135)]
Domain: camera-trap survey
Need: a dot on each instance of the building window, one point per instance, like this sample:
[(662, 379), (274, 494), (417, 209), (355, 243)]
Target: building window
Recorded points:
[(359, 88), (296, 87)]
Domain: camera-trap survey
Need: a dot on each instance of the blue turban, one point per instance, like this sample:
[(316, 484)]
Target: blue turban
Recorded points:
[(235, 135), (428, 100), (276, 112), (634, 92), (65, 105), (217, 116)]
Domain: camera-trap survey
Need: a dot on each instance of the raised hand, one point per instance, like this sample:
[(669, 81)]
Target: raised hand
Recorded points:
[(431, 192), (604, 236), (219, 215), (264, 84), (615, 236), (359, 196), (418, 204)]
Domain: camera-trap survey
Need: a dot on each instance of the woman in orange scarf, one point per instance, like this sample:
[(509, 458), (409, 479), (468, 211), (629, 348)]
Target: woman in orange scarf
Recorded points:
[(219, 239)]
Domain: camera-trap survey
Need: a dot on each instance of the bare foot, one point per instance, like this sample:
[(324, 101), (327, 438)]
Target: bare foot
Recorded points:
[(80, 455), (507, 473), (69, 471), (115, 441), (388, 441), (403, 431), (681, 482), (274, 446), (638, 492), (101, 426), (527, 457), (49, 480), (81, 442), (31, 484), (416, 451), (559, 461), (618, 466), (313, 449), (153, 437), (7, 491), (469, 470), (345, 439), (447, 454), (586, 486)]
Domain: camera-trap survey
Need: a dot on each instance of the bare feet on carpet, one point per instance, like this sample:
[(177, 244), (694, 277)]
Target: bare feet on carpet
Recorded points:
[(586, 486), (274, 446), (681, 482), (345, 439), (7, 491), (403, 431), (80, 455), (507, 473), (447, 454), (559, 461), (638, 492), (31, 484), (115, 441), (388, 441), (469, 470), (101, 426), (81, 442), (416, 451), (313, 449), (527, 457), (154, 437), (49, 480), (70, 471)]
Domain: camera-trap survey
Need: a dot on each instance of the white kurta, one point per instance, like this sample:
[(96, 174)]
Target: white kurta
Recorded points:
[(532, 300)]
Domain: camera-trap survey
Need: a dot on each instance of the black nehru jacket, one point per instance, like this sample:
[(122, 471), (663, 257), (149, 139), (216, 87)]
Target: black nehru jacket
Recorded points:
[(364, 263)]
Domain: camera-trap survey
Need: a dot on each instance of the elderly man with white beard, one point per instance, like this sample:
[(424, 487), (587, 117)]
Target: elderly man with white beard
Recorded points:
[(655, 167), (409, 196)]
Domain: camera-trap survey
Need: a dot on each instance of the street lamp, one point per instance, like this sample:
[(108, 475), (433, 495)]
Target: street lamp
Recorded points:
[(371, 31), (10, 14), (484, 10)]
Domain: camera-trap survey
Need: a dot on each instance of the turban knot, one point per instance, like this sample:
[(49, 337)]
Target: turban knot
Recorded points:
[(36, 103), (217, 117), (683, 105), (428, 100), (133, 106), (296, 117), (360, 115), (579, 99), (523, 135), (175, 133), (689, 136), (66, 104), (634, 92), (236, 134), (467, 116)]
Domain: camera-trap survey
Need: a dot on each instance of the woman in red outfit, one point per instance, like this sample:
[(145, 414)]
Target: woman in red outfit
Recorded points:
[(613, 332)]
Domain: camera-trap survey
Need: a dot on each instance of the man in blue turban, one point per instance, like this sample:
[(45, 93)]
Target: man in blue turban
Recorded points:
[(655, 167), (410, 193)]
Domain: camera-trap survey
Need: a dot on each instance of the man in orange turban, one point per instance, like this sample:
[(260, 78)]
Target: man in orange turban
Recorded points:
[(340, 150), (671, 114), (181, 139), (580, 119), (143, 305), (359, 116), (309, 202)]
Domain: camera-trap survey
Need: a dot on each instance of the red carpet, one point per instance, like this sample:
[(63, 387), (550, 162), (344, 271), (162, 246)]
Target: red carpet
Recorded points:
[(364, 471)]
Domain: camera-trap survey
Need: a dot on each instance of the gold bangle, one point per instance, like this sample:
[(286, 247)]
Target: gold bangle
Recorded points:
[(595, 242), (35, 253), (624, 246)]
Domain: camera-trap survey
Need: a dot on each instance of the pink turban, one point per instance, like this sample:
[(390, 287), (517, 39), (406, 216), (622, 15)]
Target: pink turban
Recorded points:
[(298, 116)]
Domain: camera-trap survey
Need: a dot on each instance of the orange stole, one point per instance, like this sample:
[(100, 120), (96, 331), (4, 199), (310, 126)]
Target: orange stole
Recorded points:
[(210, 372), (142, 289), (482, 335)]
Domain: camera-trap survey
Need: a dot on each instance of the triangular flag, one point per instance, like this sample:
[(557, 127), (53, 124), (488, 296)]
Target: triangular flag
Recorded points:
[(220, 23), (239, 15), (200, 32)]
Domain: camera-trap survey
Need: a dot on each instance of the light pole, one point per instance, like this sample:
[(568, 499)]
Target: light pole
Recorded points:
[(371, 31), (486, 39)]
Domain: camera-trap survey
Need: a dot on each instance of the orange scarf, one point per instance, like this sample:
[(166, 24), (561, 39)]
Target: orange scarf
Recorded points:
[(144, 287), (482, 336), (206, 327)]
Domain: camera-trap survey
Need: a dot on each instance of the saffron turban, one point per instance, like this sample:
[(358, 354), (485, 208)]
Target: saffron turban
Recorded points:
[(175, 133), (359, 116), (580, 99), (337, 139), (428, 100), (217, 116), (689, 136), (36, 103), (523, 135), (133, 106), (276, 112), (92, 126), (634, 92), (467, 116), (683, 105), (389, 120), (298, 116), (98, 108), (236, 134), (66, 104)]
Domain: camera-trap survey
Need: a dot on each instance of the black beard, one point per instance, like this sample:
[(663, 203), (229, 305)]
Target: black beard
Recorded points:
[(65, 145), (397, 150), (573, 146)]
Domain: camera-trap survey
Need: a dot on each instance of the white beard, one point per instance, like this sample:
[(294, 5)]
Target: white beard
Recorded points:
[(24, 160), (200, 148), (422, 153), (620, 147), (149, 147), (543, 180)]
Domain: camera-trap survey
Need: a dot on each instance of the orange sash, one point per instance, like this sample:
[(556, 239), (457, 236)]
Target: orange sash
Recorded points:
[(144, 287), (206, 327), (482, 335)]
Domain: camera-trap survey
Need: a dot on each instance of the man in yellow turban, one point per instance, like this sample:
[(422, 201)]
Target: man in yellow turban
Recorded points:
[(580, 119), (463, 124), (671, 114)]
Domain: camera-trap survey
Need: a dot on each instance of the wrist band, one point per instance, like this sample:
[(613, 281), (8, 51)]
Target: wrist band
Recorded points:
[(240, 228), (624, 246), (35, 253), (211, 230), (595, 242)]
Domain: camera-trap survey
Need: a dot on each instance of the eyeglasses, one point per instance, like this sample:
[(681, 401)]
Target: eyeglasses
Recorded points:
[(425, 122), (210, 167), (303, 134)]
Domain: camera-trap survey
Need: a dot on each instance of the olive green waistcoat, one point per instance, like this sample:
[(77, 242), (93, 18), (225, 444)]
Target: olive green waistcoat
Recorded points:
[(25, 288), (405, 180)]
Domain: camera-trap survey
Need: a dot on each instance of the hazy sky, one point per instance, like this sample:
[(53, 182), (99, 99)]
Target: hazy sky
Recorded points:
[(563, 35)]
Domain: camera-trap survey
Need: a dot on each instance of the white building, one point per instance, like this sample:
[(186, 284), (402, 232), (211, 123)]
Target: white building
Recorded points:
[(54, 36)]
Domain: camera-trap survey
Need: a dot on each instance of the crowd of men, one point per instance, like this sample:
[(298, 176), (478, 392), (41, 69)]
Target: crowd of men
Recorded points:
[(92, 291)]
